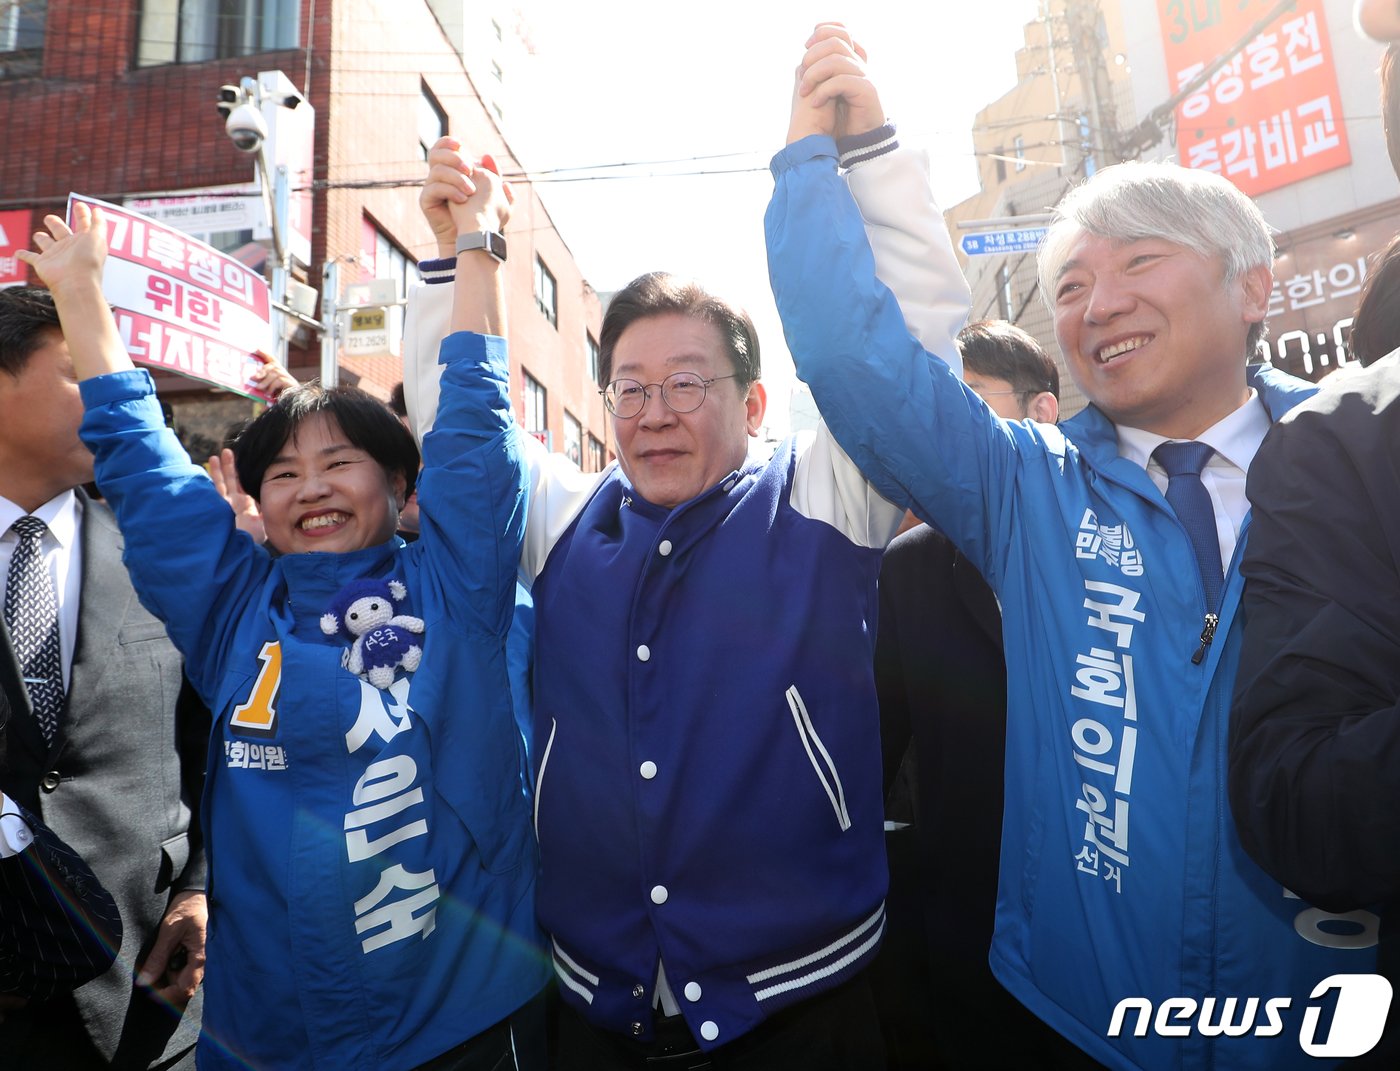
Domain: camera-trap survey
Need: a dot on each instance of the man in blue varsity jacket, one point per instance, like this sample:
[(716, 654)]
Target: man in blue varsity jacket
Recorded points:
[(706, 736), (1128, 916)]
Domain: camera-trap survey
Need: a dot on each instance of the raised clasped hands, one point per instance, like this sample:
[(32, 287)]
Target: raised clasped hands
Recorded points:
[(461, 196), (833, 94)]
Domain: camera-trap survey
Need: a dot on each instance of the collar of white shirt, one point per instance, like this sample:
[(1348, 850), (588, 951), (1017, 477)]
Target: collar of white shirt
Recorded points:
[(60, 513), (1235, 440), (63, 515)]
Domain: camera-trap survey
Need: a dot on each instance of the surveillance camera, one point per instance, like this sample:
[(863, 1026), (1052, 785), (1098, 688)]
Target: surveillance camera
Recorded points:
[(247, 128)]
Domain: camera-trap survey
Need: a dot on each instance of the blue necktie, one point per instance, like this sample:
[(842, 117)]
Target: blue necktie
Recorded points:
[(31, 614), (1190, 500)]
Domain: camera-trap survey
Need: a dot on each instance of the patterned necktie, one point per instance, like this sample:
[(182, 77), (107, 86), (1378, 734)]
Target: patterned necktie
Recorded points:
[(31, 613), (1189, 498)]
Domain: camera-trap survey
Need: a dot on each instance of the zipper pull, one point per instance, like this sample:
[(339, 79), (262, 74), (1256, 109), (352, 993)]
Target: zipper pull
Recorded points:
[(1207, 634)]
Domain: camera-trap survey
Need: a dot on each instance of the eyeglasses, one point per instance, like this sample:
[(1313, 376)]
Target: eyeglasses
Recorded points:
[(683, 392)]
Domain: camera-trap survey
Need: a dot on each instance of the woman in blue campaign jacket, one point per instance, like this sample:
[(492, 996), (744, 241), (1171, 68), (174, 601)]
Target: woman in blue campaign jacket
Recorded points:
[(1121, 875), (371, 859)]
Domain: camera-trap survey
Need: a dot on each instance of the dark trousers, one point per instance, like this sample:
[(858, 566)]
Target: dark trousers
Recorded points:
[(51, 1035), (516, 1043), (834, 1031), (941, 1009)]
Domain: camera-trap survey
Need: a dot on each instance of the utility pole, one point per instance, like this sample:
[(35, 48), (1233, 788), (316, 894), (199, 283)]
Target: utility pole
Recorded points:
[(1133, 143), (1052, 66), (253, 113), (330, 317), (1099, 126)]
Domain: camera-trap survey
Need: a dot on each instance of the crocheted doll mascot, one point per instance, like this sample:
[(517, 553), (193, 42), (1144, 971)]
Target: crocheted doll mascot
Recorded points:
[(365, 612)]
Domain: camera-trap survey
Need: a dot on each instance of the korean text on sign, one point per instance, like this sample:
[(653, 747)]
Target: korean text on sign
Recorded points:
[(1272, 114), (183, 305)]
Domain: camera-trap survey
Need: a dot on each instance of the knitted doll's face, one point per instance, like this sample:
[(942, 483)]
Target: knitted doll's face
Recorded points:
[(367, 613), (320, 493)]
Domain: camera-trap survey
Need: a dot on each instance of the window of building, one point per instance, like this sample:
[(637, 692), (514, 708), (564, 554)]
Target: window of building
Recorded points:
[(1004, 296), (573, 439), (21, 36), (1018, 149), (536, 421), (1000, 162), (382, 258), (545, 296), (591, 344), (432, 120), (597, 455), (191, 31), (496, 72), (496, 28)]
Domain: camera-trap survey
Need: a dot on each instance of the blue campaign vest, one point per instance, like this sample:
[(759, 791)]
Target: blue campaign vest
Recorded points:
[(371, 864), (1121, 875)]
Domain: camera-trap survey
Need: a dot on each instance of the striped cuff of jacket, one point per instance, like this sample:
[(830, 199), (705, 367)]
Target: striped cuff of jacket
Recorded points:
[(858, 149), (438, 269)]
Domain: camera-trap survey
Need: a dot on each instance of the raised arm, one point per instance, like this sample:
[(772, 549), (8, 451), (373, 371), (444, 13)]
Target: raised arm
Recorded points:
[(890, 183), (174, 523), (556, 488), (70, 263), (472, 497), (898, 409), (447, 203)]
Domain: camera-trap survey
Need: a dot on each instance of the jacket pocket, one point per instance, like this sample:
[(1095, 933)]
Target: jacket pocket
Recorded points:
[(174, 855), (539, 777), (819, 757), (148, 628)]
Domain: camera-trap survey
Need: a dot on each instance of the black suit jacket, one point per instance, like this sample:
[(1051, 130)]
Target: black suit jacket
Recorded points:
[(120, 784), (59, 927), (941, 678)]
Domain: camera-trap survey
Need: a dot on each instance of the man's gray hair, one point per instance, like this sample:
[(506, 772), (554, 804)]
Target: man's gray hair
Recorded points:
[(1196, 209)]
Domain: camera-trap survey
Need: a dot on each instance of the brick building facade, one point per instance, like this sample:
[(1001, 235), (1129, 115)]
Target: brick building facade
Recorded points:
[(115, 99)]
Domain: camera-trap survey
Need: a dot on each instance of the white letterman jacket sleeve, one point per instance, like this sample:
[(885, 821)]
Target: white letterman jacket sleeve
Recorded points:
[(914, 258), (558, 490)]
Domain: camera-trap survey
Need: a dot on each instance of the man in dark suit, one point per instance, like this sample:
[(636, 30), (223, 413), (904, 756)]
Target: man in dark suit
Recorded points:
[(942, 685), (59, 927), (105, 741)]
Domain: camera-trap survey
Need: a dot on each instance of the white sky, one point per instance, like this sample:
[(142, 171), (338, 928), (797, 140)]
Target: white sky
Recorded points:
[(662, 81)]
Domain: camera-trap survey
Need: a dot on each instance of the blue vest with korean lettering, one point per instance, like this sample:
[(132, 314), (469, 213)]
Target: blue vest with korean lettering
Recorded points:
[(1116, 788), (1121, 873), (708, 748)]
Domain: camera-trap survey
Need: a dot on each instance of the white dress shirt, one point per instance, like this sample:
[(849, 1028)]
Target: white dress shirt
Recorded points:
[(14, 832), (63, 556), (1235, 441)]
